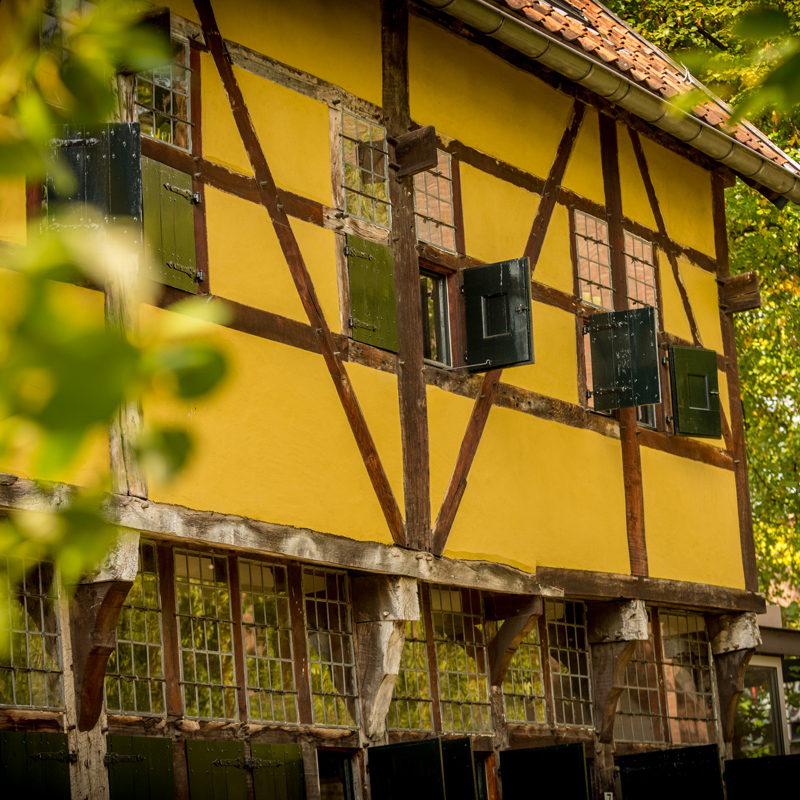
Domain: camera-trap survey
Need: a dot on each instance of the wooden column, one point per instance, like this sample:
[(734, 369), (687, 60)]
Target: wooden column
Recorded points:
[(628, 426), (403, 240)]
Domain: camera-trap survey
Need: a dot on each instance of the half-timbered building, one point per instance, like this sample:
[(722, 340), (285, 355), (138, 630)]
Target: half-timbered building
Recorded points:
[(477, 483)]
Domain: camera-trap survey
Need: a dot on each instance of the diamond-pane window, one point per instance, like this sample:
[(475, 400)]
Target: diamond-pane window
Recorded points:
[(523, 687), (366, 170), (570, 675), (458, 632), (412, 707), (135, 670), (267, 632), (31, 671), (331, 659), (163, 102), (206, 636), (433, 203)]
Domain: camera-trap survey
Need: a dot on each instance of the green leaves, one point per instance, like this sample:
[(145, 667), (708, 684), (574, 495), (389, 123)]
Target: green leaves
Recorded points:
[(197, 368), (760, 23)]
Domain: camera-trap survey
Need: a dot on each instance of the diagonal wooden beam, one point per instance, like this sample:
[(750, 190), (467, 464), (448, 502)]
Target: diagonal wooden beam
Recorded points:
[(268, 194), (641, 160)]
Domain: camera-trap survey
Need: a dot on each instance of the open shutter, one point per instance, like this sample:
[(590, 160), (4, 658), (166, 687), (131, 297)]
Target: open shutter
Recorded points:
[(372, 302), (695, 392), (169, 226), (140, 768), (34, 765), (459, 769), (216, 770), (408, 770), (497, 302), (684, 772), (278, 771), (624, 359), (558, 771)]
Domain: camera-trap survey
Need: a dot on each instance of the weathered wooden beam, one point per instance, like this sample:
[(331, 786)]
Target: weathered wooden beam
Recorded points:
[(506, 643), (268, 194), (739, 292), (415, 151)]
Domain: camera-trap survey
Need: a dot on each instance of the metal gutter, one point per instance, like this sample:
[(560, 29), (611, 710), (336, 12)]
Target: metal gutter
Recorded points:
[(609, 84)]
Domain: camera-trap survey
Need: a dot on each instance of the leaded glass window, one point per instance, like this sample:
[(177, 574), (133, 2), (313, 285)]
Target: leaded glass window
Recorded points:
[(594, 261), (568, 648), (205, 629), (135, 670), (31, 671), (267, 632), (433, 203), (458, 633), (366, 170), (412, 706), (331, 659), (163, 100), (641, 272), (523, 687)]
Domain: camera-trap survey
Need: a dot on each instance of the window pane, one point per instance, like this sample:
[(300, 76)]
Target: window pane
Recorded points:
[(435, 317), (523, 687), (758, 718), (433, 203), (412, 707)]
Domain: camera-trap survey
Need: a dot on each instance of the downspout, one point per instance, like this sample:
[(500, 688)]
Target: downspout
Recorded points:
[(609, 84)]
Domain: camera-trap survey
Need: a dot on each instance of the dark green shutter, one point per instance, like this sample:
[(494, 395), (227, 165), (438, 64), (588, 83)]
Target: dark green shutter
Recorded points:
[(34, 765), (216, 770), (497, 302), (459, 768), (624, 359), (140, 768), (278, 772), (169, 226), (409, 770), (558, 772), (695, 392), (686, 772), (373, 311)]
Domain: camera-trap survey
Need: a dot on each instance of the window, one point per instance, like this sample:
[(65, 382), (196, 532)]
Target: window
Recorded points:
[(135, 670), (523, 687), (433, 203), (411, 707), (205, 629), (31, 673), (366, 170), (435, 317), (594, 261), (330, 648), (758, 725), (56, 25), (568, 648), (458, 633), (162, 100), (267, 633)]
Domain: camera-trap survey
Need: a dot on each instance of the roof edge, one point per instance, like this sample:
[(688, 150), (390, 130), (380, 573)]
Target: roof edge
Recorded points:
[(610, 85)]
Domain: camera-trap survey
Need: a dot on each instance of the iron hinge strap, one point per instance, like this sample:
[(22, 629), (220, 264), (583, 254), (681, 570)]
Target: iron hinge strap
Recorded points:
[(245, 763), (194, 274), (351, 251), (592, 328), (74, 142), (615, 390), (357, 323), (59, 755), (192, 197), (114, 758)]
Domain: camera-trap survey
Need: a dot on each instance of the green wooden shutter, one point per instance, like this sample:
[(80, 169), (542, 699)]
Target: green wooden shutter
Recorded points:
[(497, 303), (169, 226), (140, 768), (216, 770), (624, 359), (409, 770), (278, 772), (695, 392), (34, 765), (459, 769), (373, 310), (685, 772), (558, 771)]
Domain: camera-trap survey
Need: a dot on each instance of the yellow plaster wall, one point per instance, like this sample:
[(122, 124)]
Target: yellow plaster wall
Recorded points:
[(691, 521), (13, 214), (675, 320), (184, 8), (501, 110), (246, 263), (701, 288), (336, 40), (684, 195), (584, 173), (529, 500), (555, 261), (635, 202), (274, 444)]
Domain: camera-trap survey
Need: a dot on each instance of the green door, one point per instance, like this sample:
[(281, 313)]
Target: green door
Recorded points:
[(140, 768), (217, 770), (408, 771), (34, 765), (459, 769), (278, 772)]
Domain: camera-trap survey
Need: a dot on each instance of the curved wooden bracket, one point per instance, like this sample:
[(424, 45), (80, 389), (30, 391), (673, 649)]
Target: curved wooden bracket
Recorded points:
[(731, 668), (93, 627), (519, 615), (609, 662)]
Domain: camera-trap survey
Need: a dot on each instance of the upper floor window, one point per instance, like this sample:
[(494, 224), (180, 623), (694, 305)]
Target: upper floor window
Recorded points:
[(365, 178), (433, 203), (594, 261), (163, 102)]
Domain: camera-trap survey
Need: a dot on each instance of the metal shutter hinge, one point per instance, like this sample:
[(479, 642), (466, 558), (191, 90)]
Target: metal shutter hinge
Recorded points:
[(614, 390), (357, 323), (73, 142), (591, 328), (192, 197), (351, 251), (246, 763), (60, 755), (195, 274), (114, 758)]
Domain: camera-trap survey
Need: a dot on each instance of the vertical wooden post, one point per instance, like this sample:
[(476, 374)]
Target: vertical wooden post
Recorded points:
[(628, 426), (403, 238)]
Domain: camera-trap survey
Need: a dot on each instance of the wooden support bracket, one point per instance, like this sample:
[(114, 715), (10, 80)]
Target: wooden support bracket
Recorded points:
[(739, 292), (505, 644), (415, 151)]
